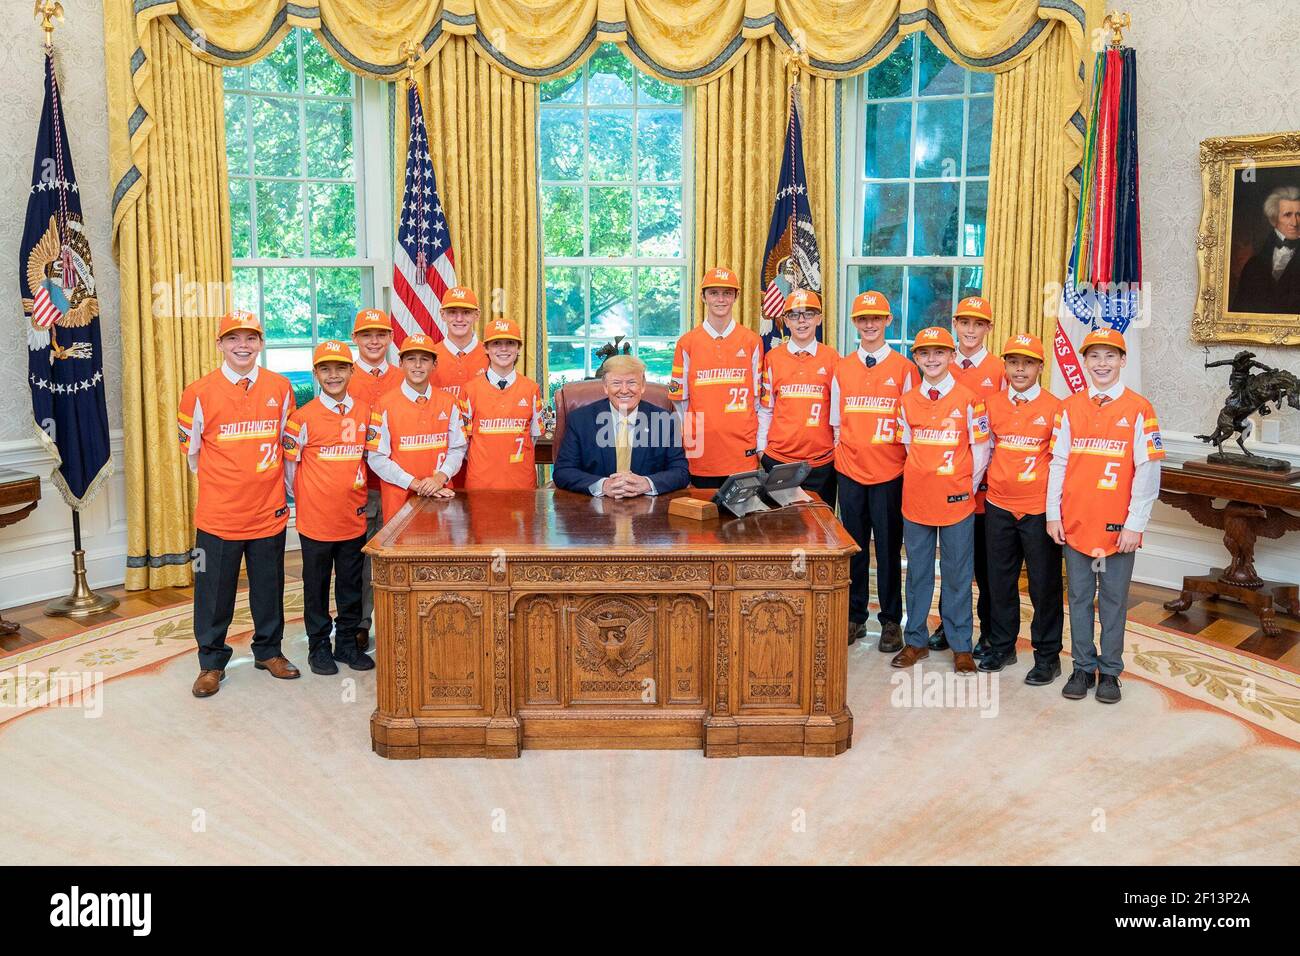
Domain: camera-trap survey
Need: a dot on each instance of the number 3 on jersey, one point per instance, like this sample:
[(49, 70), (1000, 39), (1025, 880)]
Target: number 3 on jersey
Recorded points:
[(947, 467), (738, 400)]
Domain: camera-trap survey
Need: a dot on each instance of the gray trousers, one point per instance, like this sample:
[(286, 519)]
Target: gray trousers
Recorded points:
[(1107, 583), (956, 568), (374, 521)]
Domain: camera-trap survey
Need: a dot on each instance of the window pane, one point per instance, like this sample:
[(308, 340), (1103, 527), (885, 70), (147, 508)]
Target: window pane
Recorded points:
[(277, 72), (659, 145), (659, 221), (560, 144), (610, 220), (934, 226), (333, 219), (977, 207), (658, 358), (564, 301), (970, 281), (338, 300), (884, 219), (324, 77), (562, 220), (979, 134), (276, 150), (235, 78), (981, 82), (236, 133), (650, 90), (565, 89), (939, 75), (610, 135), (329, 140), (286, 301), (659, 300), (611, 303), (893, 75), (610, 76), (889, 131), (929, 298), (245, 291), (296, 365), (565, 362), (279, 220), (938, 139), (241, 228)]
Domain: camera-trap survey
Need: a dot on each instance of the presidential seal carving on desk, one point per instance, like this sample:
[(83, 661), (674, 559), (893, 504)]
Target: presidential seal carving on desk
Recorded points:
[(612, 636)]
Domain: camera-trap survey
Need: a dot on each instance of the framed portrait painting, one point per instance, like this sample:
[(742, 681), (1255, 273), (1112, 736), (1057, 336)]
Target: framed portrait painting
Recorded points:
[(1248, 247)]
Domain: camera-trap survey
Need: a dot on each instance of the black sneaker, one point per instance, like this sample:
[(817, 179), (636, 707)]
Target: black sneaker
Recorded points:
[(995, 661), (938, 640), (891, 638), (320, 660), (351, 655), (1043, 673), (1080, 682), (1108, 689)]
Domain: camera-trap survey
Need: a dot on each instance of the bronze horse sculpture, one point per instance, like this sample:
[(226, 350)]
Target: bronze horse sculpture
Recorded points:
[(1249, 394)]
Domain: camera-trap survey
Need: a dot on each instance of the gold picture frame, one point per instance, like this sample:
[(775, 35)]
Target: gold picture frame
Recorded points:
[(1248, 164)]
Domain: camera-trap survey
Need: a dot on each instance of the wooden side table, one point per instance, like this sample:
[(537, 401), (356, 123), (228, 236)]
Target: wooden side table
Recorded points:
[(17, 488)]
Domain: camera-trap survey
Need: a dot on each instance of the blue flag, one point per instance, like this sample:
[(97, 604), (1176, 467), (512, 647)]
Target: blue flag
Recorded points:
[(791, 260), (65, 362)]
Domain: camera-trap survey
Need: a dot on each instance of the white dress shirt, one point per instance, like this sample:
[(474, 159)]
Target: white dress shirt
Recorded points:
[(974, 360), (1281, 256)]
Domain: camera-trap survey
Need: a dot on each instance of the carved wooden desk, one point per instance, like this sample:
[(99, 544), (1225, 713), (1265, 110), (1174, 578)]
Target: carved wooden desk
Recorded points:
[(1253, 508), (548, 619)]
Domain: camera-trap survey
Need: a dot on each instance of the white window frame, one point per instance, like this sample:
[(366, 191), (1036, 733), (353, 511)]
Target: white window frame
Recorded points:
[(684, 183), (853, 153)]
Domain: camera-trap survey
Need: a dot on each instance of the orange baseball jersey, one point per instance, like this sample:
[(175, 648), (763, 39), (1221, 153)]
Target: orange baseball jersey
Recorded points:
[(985, 378), (326, 446), (796, 399), (367, 387), (454, 369), (232, 438), (416, 437), (941, 436), (864, 407), (1102, 446), (718, 378), (1021, 436), (503, 425)]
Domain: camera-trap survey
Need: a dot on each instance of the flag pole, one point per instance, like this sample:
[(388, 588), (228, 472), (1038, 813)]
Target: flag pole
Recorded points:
[(82, 602)]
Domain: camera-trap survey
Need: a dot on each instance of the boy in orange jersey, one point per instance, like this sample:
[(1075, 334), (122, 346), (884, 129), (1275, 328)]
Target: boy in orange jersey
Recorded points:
[(1105, 477), (504, 410), (373, 376), (1021, 420), (324, 452), (416, 440), (231, 422), (460, 356), (865, 391), (945, 429), (794, 422), (717, 368), (981, 372)]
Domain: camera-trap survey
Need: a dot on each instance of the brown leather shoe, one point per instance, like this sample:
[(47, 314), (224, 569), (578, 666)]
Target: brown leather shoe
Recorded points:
[(208, 683), (909, 655), (278, 667), (891, 638), (963, 663)]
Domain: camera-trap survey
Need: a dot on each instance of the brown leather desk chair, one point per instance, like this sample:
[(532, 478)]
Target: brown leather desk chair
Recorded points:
[(574, 395)]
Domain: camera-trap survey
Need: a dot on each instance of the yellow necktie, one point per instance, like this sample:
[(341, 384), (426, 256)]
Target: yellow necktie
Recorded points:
[(622, 447)]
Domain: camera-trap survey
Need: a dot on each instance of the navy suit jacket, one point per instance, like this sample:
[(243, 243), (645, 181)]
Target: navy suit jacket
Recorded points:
[(657, 452)]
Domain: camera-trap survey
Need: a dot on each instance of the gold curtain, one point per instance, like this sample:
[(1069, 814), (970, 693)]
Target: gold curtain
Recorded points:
[(172, 242), (482, 127), (739, 137)]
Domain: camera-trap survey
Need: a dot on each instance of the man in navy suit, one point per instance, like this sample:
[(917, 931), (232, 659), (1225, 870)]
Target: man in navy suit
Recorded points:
[(623, 447)]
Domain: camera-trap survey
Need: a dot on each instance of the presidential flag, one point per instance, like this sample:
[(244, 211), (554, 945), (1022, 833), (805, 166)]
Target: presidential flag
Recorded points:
[(65, 361), (424, 267), (791, 260), (1103, 283)]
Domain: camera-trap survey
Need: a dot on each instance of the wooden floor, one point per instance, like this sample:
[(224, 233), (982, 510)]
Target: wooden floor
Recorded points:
[(1219, 622)]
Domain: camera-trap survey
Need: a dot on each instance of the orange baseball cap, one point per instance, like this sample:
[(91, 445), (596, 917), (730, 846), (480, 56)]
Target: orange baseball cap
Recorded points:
[(240, 320), (935, 336), (500, 328), (720, 277), (332, 350), (870, 303), (802, 299), (372, 319), (974, 307), (1103, 337), (1022, 343), (459, 297), (419, 342)]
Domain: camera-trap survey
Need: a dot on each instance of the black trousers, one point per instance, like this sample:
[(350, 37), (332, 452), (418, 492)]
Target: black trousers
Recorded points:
[(983, 613), (874, 511), (821, 480), (343, 561), (1011, 541), (216, 579)]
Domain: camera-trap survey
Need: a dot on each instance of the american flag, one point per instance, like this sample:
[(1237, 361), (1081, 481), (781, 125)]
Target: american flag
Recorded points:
[(424, 266)]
